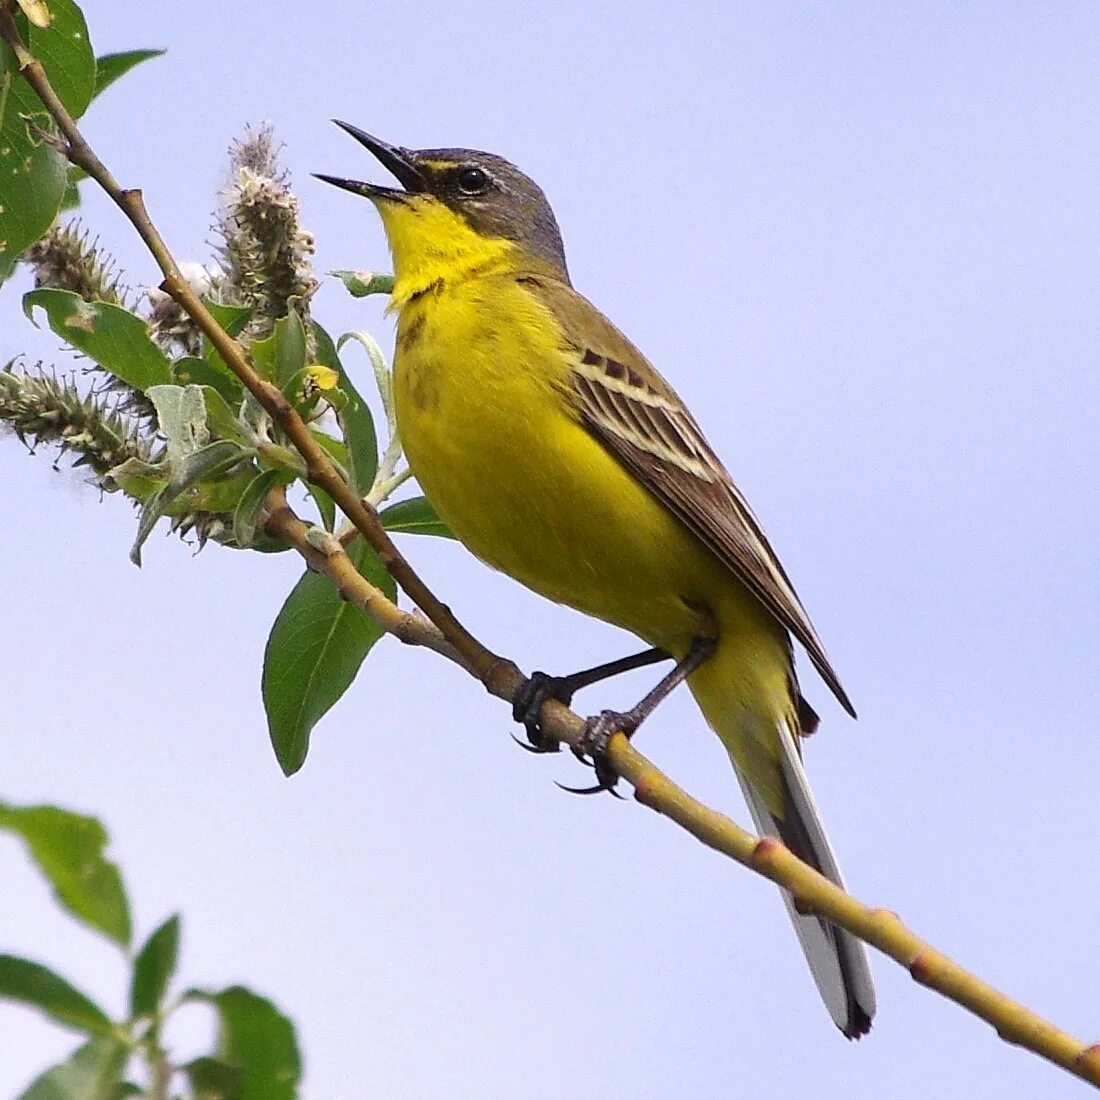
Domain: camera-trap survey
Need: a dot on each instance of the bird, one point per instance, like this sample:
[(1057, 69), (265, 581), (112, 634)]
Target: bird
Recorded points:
[(559, 456)]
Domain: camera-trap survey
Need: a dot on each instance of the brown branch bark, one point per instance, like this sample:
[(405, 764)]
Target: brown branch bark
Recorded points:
[(442, 633)]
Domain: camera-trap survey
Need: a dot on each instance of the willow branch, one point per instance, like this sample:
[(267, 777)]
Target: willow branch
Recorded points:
[(320, 470), (442, 633)]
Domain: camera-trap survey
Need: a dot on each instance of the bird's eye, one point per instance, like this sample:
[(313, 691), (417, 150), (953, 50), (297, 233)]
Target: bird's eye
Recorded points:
[(472, 181)]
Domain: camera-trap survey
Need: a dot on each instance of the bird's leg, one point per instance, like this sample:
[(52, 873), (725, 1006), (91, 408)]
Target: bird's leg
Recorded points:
[(599, 728), (538, 687)]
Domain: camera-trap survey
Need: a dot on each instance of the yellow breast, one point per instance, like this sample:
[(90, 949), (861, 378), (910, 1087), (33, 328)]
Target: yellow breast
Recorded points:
[(481, 390)]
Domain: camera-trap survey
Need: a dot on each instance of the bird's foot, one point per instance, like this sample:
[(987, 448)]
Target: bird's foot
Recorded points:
[(527, 708), (598, 731)]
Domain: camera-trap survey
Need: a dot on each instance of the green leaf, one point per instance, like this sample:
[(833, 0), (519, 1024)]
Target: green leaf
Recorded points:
[(231, 318), (32, 984), (111, 66), (141, 481), (334, 448), (68, 849), (72, 194), (222, 496), (264, 544), (259, 1040), (71, 199), (250, 509), (35, 176), (66, 55), (181, 416), (190, 478), (326, 507), (290, 347), (154, 967), (355, 419), (35, 186), (361, 283), (94, 1072), (212, 1079), (315, 649), (324, 348), (262, 354), (415, 516), (205, 464), (222, 421), (274, 456), (338, 452), (208, 372), (117, 340)]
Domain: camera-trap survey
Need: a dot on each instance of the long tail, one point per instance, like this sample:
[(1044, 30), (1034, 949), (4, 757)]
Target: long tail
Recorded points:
[(837, 959), (766, 760)]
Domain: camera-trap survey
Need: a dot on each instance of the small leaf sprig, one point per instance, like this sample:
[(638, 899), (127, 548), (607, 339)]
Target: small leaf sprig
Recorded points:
[(255, 1054), (169, 425)]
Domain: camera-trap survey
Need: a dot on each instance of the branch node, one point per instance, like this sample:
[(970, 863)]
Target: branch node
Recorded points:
[(57, 143), (647, 791), (886, 917), (1087, 1062), (324, 542), (282, 410), (924, 966), (500, 675), (765, 853)]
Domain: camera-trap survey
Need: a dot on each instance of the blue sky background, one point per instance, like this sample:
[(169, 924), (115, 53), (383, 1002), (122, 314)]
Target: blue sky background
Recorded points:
[(862, 242)]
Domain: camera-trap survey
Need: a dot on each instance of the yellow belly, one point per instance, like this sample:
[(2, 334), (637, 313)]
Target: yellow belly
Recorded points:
[(495, 447)]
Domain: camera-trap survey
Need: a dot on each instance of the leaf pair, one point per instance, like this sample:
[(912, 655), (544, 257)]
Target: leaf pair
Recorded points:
[(36, 985)]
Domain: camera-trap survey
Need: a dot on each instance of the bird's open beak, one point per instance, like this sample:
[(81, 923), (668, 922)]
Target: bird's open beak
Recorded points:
[(396, 160)]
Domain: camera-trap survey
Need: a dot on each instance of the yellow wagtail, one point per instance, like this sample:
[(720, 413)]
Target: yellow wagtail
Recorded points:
[(559, 456)]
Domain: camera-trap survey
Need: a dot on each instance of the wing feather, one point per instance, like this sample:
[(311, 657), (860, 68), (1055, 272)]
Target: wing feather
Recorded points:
[(630, 408)]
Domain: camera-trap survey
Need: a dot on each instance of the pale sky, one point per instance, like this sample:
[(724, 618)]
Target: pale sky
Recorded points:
[(862, 242)]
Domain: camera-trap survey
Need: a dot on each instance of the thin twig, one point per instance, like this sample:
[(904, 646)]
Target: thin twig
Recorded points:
[(767, 857), (325, 554)]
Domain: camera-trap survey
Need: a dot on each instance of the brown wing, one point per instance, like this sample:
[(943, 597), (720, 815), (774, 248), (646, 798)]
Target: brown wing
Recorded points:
[(630, 408)]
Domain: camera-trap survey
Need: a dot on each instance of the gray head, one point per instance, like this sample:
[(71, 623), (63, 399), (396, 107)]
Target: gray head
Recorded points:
[(491, 195)]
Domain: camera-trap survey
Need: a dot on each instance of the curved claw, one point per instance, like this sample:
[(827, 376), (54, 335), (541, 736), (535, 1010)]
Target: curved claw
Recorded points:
[(597, 732), (538, 750), (597, 788), (579, 754)]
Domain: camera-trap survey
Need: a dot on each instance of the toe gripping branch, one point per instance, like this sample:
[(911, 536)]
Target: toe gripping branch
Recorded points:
[(540, 686), (598, 729)]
